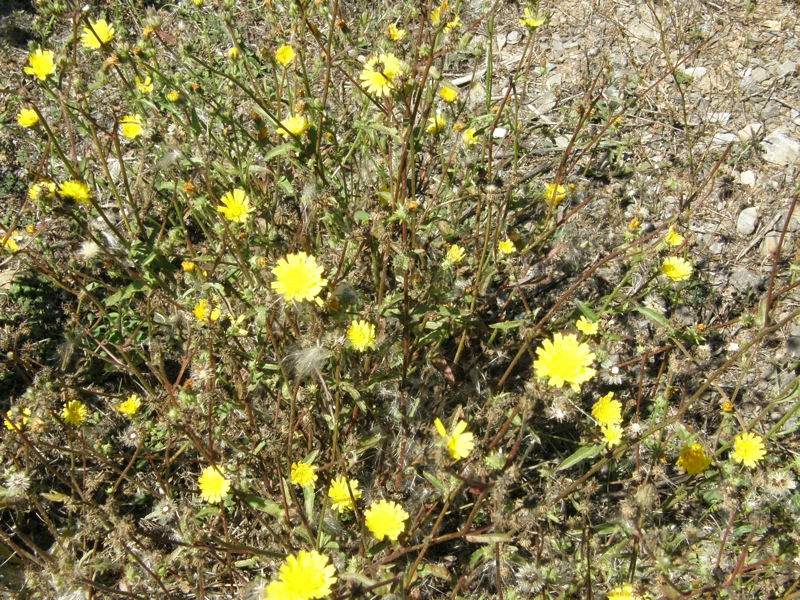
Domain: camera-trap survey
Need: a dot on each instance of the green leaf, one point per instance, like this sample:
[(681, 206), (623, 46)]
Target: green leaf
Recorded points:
[(580, 455), (124, 293), (268, 506), (507, 325), (653, 316), (278, 151), (362, 216), (587, 312)]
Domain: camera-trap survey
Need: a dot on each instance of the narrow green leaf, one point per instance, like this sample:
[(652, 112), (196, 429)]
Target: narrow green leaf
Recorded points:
[(653, 316), (584, 453)]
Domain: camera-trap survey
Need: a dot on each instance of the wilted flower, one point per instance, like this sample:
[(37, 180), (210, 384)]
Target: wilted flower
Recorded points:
[(530, 20), (42, 190), (17, 419), (435, 123), (146, 86), (233, 53)]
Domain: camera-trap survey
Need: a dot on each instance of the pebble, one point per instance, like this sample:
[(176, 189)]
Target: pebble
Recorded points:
[(748, 132), (770, 243), (499, 133), (757, 75), (723, 139), (786, 68), (513, 37), (794, 224), (747, 221), (743, 279), (696, 73), (747, 178), (780, 148)]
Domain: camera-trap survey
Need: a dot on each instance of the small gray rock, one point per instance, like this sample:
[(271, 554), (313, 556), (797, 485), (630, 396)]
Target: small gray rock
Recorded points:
[(747, 178), (743, 279), (786, 68), (794, 223), (770, 243), (747, 221), (748, 132), (780, 148)]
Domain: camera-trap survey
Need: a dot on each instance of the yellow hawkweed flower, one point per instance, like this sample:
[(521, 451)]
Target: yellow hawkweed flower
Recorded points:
[(677, 268), (9, 243), (436, 13), (673, 238), (380, 74), (99, 34), (586, 326), (555, 194), (459, 443), (530, 21), (146, 86), (77, 191), (19, 420), (233, 53), (284, 55), (448, 94), (395, 34), (27, 117), (298, 277), (362, 335), (564, 360), (293, 126), (435, 123), (205, 313), (74, 412), (42, 190), (452, 25), (385, 519), (607, 411), (506, 247), (623, 592), (173, 97), (303, 474), (339, 495), (468, 137), (131, 406), (187, 266), (612, 434), (131, 126), (42, 64), (455, 254), (748, 449), (693, 459), (213, 484), (307, 576), (235, 206)]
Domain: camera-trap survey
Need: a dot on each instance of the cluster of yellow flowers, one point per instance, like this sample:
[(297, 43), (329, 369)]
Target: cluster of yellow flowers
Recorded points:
[(608, 414)]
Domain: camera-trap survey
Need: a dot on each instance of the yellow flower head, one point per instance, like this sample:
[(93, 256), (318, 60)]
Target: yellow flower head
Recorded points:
[(459, 443), (395, 34), (748, 449), (173, 96), (452, 25), (607, 411), (448, 94), (131, 406), (307, 576), (506, 247), (42, 190), (74, 412), (16, 421), (298, 277), (131, 126), (385, 519), (362, 335), (623, 592), (673, 238), (435, 123), (380, 73), (468, 137), (555, 194), (213, 484), (205, 313), (676, 268), (233, 53), (436, 13), (455, 254), (146, 86), (77, 191), (340, 496), (303, 474), (42, 64), (99, 34), (293, 126), (693, 459), (586, 326), (27, 117), (235, 206), (612, 434), (9, 243), (530, 20), (188, 266), (564, 360), (284, 55)]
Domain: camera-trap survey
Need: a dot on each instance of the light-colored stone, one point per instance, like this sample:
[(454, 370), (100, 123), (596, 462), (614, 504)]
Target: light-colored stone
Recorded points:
[(747, 221), (785, 68), (499, 133), (770, 243), (780, 148), (748, 132), (723, 139), (696, 73), (747, 178), (513, 37)]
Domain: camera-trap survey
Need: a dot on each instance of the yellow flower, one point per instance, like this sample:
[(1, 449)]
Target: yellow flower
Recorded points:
[(42, 64), (303, 474), (748, 449), (235, 206), (676, 268), (362, 335), (17, 421), (468, 137), (612, 434), (233, 53), (607, 411), (673, 238), (131, 126), (435, 123), (10, 243), (455, 254), (187, 266), (27, 117), (380, 72), (564, 360), (436, 13), (453, 25), (77, 191), (146, 86), (530, 21), (506, 247), (298, 277), (307, 576), (395, 34), (623, 592), (555, 194), (284, 55), (586, 326), (340, 496), (693, 459), (173, 96), (385, 519), (459, 443), (102, 34), (293, 126), (131, 406), (213, 484), (43, 189), (204, 313), (197, 2), (74, 413), (448, 94)]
